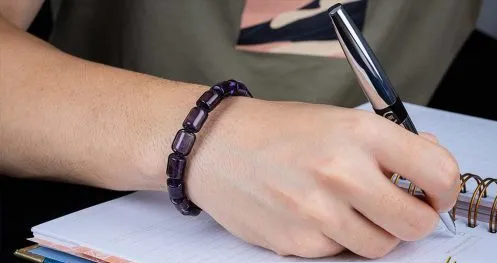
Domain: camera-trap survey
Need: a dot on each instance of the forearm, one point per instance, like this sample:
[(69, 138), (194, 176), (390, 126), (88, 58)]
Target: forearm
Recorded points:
[(65, 118)]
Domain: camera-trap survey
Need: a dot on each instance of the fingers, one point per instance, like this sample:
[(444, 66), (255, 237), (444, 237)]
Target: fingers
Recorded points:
[(424, 163), (358, 234), (391, 208), (441, 206), (340, 222), (429, 137), (277, 230), (306, 243)]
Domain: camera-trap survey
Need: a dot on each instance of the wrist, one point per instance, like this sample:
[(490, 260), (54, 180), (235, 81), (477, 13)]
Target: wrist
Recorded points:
[(156, 127), (177, 164), (152, 155)]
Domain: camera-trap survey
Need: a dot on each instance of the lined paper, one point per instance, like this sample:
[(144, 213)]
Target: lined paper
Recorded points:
[(143, 227)]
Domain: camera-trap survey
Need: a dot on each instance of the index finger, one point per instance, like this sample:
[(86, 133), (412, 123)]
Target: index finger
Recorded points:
[(428, 165)]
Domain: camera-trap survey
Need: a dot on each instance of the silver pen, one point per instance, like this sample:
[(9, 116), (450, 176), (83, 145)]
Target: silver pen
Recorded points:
[(372, 79)]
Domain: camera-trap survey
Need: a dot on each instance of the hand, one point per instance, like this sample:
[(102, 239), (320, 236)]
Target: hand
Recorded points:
[(313, 180)]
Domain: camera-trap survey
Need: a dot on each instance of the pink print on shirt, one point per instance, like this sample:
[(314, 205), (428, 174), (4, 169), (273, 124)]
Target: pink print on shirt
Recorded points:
[(300, 27)]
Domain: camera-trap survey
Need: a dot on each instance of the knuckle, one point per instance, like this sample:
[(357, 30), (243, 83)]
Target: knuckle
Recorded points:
[(362, 123), (311, 244), (421, 226), (336, 174), (314, 247), (449, 173), (282, 247), (383, 248), (376, 246), (323, 211), (333, 221), (286, 200), (302, 245), (326, 169), (280, 251)]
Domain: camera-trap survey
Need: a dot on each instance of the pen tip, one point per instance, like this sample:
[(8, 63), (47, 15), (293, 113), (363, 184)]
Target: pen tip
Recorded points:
[(449, 222), (452, 228)]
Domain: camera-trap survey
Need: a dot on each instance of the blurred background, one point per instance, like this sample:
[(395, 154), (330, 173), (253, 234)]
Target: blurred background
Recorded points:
[(467, 84), (465, 88)]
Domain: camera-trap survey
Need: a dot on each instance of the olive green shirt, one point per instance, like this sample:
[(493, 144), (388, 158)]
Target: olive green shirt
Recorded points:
[(194, 41)]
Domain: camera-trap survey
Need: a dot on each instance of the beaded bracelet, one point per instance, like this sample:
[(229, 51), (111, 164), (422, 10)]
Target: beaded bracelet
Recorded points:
[(185, 138)]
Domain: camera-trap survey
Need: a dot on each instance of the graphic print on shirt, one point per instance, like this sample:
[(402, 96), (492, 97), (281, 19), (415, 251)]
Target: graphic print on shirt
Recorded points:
[(300, 27)]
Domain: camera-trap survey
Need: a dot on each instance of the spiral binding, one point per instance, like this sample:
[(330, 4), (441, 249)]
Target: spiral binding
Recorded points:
[(474, 204)]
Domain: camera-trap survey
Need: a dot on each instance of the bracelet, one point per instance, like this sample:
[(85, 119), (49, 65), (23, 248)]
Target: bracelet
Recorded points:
[(185, 138)]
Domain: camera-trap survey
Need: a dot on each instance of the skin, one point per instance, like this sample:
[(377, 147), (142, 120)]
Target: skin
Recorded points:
[(295, 178)]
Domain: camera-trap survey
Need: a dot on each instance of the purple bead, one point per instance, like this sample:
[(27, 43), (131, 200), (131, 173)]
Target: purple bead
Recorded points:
[(218, 89), (232, 88), (176, 189), (209, 100), (195, 119), (183, 142), (178, 198), (187, 208), (226, 88), (176, 164), (229, 87), (244, 92)]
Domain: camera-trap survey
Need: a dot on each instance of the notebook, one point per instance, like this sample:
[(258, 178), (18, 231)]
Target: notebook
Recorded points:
[(39, 254), (144, 228)]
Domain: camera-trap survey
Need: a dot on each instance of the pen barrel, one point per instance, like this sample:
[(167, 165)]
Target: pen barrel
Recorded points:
[(371, 76), (366, 67), (409, 125), (398, 114)]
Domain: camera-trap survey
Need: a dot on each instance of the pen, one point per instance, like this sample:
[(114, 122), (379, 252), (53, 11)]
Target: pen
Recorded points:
[(372, 79)]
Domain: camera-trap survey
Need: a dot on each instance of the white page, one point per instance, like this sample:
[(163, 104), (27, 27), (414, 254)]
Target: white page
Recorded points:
[(144, 227)]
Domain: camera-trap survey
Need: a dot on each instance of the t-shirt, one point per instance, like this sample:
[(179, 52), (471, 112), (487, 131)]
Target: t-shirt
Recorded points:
[(281, 49)]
